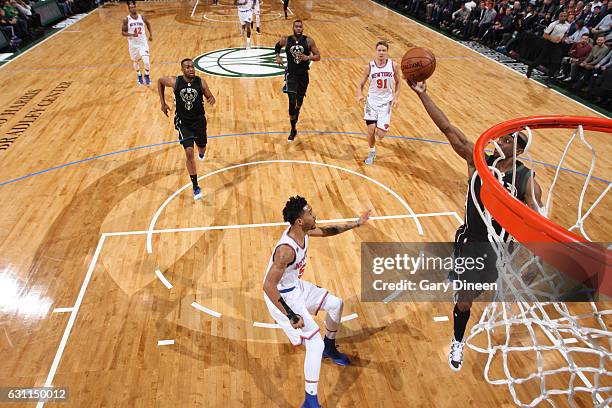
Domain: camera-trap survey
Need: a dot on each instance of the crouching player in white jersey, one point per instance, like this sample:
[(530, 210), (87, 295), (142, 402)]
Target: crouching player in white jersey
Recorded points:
[(292, 301), (134, 29), (382, 95)]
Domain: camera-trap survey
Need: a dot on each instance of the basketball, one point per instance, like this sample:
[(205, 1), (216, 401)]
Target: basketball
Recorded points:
[(418, 64)]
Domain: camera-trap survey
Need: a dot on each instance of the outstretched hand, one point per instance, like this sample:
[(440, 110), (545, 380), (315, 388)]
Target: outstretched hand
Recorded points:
[(418, 87), (364, 218)]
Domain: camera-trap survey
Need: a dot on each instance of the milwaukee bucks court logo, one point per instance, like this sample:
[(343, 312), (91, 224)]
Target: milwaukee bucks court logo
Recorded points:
[(240, 63)]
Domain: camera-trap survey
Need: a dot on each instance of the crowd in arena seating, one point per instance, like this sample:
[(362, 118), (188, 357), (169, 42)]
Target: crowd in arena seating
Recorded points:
[(20, 24), (569, 41)]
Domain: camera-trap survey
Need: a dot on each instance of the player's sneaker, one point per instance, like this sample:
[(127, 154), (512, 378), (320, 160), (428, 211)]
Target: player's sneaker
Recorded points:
[(311, 401), (370, 158), (201, 156), (140, 80), (197, 193), (258, 30), (147, 80), (292, 136), (455, 356), (334, 355)]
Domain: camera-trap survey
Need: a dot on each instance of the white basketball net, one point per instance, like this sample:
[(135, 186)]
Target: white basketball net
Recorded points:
[(544, 333)]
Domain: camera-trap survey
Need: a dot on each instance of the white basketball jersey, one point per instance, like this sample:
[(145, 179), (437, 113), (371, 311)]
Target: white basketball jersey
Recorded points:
[(293, 272), (137, 26), (245, 5), (382, 81)]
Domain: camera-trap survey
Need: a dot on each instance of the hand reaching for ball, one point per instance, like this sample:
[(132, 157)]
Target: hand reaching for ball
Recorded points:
[(418, 87)]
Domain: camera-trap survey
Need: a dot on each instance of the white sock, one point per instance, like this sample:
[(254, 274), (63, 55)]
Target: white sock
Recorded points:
[(373, 149), (311, 388), (248, 43)]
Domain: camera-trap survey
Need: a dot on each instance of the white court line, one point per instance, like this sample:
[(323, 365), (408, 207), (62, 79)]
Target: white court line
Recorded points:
[(278, 224), (48, 38), (72, 318), (194, 7), (348, 318), (165, 342), (378, 183), (490, 59), (205, 309), (163, 279), (440, 318), (266, 325), (63, 309)]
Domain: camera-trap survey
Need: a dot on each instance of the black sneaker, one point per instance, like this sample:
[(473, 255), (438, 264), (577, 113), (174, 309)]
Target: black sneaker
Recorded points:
[(292, 136)]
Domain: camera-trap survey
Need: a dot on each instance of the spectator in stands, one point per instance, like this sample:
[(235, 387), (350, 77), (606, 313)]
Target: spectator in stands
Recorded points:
[(594, 18), (552, 50), (12, 14), (559, 8), (577, 53), (601, 87), (603, 27), (476, 16), (459, 19), (577, 34), (547, 7), (488, 19), (504, 26), (583, 70)]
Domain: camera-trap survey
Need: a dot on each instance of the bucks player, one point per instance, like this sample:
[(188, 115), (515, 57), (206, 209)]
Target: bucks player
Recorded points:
[(300, 51), (134, 29), (382, 95), (189, 118), (471, 239), (245, 14), (292, 301)]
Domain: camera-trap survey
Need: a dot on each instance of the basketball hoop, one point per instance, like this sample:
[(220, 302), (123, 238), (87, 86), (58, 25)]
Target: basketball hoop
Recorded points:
[(542, 242)]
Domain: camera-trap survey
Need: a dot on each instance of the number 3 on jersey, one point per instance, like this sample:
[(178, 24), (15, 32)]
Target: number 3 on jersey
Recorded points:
[(381, 84)]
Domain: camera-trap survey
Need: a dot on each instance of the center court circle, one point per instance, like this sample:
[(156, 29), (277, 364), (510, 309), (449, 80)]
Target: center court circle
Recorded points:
[(258, 62)]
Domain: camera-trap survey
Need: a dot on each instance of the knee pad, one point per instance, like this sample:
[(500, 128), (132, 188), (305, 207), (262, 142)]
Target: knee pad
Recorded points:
[(315, 344), (333, 306)]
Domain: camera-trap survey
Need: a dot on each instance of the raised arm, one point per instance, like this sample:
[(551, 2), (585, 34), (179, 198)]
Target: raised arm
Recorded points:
[(337, 229), (162, 83), (460, 144), (146, 21), (364, 78), (283, 256)]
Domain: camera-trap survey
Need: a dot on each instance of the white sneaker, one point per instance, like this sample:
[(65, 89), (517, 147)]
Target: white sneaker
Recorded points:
[(370, 158), (201, 157), (455, 356)]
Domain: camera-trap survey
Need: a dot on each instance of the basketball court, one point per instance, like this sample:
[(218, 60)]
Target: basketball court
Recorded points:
[(115, 284)]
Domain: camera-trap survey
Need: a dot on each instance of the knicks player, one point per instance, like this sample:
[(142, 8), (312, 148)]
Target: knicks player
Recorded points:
[(134, 29), (257, 19), (471, 239), (382, 95), (292, 301), (245, 14)]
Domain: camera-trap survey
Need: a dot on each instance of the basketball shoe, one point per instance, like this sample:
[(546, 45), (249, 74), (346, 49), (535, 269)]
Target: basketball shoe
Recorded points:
[(140, 79), (197, 193), (455, 356), (311, 401), (370, 158), (333, 354), (147, 79)]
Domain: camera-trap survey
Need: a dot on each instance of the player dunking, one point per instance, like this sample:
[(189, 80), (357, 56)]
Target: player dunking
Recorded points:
[(292, 301), (382, 95), (474, 229), (134, 29), (245, 14), (300, 51), (189, 117)]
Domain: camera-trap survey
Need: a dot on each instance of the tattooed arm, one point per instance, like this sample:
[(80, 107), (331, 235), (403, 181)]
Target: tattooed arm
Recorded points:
[(337, 229)]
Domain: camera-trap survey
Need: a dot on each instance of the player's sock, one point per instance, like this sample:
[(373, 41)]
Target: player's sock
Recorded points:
[(460, 322), (251, 25), (194, 180), (311, 387), (248, 46)]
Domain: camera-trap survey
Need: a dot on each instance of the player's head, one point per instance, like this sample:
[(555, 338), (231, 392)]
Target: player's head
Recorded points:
[(506, 144), (298, 28), (131, 4), (188, 68), (382, 49), (297, 212)]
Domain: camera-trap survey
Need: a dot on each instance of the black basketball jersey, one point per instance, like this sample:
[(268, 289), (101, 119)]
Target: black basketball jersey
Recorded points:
[(189, 99), (474, 228), (294, 47)]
